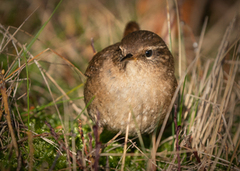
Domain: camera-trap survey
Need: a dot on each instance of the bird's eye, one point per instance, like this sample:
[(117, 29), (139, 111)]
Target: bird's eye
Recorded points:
[(148, 53)]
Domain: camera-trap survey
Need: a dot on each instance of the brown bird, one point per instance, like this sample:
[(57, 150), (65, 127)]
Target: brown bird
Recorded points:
[(135, 75)]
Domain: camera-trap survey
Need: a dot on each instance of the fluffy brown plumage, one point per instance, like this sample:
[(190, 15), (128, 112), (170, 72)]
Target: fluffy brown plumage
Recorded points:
[(135, 75)]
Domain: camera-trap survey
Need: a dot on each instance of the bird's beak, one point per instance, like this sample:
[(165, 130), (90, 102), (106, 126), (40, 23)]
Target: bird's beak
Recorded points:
[(128, 57)]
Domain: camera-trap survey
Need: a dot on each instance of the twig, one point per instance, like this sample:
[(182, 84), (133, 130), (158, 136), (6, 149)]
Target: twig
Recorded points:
[(144, 155), (125, 143), (92, 44), (107, 164), (60, 142), (189, 142), (31, 151), (177, 129), (234, 155), (55, 161), (90, 141), (98, 144), (109, 142), (81, 134)]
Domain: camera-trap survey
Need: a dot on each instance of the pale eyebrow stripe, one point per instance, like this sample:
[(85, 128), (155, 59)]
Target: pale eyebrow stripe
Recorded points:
[(153, 48), (158, 47)]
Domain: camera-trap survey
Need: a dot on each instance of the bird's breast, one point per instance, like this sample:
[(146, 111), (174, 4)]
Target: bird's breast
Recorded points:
[(135, 85)]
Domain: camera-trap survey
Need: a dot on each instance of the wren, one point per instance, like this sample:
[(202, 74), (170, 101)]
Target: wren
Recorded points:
[(135, 75)]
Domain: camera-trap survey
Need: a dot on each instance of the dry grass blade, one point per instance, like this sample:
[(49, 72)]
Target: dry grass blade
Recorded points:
[(7, 111), (224, 102), (125, 143), (207, 127), (179, 40)]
